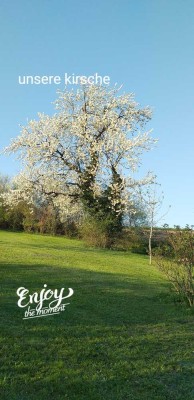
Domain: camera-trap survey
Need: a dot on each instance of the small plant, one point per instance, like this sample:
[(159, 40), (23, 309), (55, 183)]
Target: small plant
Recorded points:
[(176, 261)]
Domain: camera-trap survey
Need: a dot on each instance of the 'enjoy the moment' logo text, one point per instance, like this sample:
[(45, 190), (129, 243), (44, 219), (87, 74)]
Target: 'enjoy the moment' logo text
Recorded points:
[(43, 303)]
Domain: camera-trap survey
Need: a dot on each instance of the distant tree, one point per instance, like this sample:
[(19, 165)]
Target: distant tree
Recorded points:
[(4, 183), (177, 227), (165, 226)]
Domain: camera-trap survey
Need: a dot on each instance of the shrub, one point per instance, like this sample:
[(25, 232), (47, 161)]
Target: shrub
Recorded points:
[(176, 261), (94, 233), (15, 216), (68, 228)]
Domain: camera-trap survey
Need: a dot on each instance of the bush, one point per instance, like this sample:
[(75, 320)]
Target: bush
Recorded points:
[(15, 216), (176, 261), (68, 228), (94, 233)]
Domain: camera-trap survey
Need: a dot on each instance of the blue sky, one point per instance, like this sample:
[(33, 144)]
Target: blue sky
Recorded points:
[(146, 45)]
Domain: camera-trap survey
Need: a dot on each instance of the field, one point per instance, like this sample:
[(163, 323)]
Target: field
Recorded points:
[(123, 336)]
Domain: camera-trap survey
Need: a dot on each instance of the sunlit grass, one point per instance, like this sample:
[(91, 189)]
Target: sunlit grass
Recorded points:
[(122, 336)]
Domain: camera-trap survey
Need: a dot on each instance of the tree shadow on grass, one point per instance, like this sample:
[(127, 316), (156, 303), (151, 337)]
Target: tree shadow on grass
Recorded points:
[(118, 339), (98, 296)]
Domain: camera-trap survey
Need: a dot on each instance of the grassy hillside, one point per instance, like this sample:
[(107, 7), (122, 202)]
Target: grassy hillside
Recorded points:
[(122, 336)]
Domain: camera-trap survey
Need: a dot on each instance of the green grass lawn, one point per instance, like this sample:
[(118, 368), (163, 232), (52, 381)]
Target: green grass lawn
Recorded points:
[(122, 337)]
